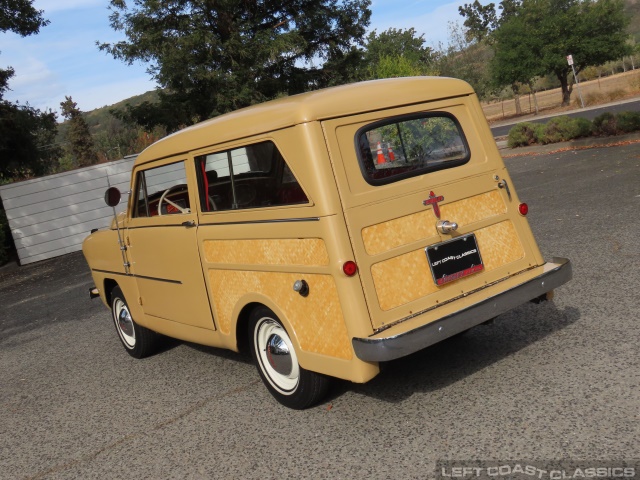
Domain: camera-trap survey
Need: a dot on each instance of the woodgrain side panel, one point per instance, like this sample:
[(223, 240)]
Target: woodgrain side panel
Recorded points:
[(293, 251), (317, 320), (407, 277), (385, 236)]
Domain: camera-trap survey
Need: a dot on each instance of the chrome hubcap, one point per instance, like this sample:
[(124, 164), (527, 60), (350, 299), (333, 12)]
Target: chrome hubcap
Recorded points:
[(278, 355), (124, 323)]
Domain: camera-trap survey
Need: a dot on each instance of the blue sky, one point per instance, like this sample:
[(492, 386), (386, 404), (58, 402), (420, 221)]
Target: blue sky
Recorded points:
[(63, 58)]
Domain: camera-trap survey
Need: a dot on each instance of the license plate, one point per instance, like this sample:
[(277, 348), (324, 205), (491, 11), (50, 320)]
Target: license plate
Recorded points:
[(454, 259)]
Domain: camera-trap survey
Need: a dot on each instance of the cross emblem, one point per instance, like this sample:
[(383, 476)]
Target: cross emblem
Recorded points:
[(433, 200)]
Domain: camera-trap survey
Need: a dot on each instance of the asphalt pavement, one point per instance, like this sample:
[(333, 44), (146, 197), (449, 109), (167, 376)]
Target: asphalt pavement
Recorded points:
[(543, 383)]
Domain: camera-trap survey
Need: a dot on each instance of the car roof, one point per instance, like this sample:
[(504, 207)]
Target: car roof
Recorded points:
[(317, 105)]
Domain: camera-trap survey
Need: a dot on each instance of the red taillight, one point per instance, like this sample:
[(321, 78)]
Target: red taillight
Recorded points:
[(523, 208), (349, 268)]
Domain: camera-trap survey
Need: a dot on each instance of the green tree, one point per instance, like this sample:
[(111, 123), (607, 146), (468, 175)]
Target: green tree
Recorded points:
[(20, 17), (27, 137), (481, 21), (397, 42), (467, 59), (78, 137), (396, 53), (26, 134), (212, 57), (544, 32), (515, 62), (594, 32)]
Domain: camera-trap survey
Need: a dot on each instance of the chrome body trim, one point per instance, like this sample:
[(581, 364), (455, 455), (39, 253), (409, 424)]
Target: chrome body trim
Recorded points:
[(383, 349)]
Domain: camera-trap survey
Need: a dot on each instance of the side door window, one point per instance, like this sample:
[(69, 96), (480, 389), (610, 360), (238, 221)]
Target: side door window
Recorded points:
[(253, 176), (162, 191)]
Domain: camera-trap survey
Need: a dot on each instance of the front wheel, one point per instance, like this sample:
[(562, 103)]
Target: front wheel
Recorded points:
[(277, 363), (138, 341)]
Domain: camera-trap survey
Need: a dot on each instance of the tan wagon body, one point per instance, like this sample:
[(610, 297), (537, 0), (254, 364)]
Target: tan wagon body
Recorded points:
[(368, 221)]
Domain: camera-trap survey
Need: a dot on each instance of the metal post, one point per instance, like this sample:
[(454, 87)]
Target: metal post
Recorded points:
[(577, 84), (570, 62)]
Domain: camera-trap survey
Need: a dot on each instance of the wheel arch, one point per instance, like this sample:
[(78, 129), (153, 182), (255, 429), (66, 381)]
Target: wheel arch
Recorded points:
[(242, 322), (109, 284)]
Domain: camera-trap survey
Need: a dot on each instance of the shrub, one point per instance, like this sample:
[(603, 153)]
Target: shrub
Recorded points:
[(584, 127), (605, 124), (522, 134), (563, 129), (627, 122), (559, 129)]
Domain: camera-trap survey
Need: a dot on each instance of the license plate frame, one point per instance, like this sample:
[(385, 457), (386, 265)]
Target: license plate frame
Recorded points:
[(454, 259)]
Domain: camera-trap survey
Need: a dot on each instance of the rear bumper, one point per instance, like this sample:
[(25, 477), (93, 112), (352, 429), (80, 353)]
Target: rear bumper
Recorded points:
[(381, 349)]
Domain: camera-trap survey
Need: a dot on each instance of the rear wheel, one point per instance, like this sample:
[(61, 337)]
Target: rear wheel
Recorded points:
[(138, 341), (277, 363)]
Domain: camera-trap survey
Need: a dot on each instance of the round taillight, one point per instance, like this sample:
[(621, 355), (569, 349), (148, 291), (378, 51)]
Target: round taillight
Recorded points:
[(523, 208), (349, 268)]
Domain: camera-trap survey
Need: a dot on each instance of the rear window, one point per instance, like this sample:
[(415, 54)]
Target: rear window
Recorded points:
[(404, 147)]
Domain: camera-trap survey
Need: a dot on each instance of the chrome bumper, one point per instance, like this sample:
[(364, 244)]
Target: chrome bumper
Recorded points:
[(389, 348)]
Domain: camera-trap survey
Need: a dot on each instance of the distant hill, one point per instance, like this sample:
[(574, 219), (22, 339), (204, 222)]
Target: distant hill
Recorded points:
[(101, 116)]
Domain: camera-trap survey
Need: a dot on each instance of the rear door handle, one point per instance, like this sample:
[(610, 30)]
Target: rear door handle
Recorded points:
[(189, 224), (503, 184)]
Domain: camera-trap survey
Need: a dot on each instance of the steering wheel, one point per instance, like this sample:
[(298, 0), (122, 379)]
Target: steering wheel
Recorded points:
[(173, 204)]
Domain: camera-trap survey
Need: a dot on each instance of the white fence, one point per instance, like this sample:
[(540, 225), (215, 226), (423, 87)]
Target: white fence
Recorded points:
[(51, 216)]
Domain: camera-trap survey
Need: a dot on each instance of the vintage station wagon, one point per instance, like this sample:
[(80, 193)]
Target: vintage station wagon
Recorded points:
[(325, 233)]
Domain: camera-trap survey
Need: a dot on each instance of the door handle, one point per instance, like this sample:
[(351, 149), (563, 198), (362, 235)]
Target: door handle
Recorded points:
[(445, 226), (503, 184), (189, 224)]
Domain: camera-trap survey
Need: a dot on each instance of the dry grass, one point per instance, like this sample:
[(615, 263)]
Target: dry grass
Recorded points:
[(594, 92)]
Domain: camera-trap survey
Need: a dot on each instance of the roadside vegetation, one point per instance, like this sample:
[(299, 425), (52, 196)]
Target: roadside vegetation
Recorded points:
[(564, 128)]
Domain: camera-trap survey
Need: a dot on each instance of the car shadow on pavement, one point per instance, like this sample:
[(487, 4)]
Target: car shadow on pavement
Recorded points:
[(461, 356)]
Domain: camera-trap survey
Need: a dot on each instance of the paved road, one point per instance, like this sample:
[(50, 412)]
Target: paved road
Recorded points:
[(549, 381), (588, 113)]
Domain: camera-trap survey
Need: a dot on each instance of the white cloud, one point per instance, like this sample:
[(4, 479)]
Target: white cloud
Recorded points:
[(58, 5), (426, 17), (96, 96)]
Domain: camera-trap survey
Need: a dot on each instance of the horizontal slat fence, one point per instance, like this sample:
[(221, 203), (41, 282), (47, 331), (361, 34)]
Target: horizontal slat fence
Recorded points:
[(51, 216)]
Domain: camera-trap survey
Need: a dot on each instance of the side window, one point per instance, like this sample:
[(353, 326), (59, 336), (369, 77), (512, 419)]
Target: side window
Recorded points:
[(407, 146), (248, 177), (162, 191)]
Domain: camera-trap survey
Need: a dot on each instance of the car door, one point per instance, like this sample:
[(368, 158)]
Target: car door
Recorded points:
[(162, 245)]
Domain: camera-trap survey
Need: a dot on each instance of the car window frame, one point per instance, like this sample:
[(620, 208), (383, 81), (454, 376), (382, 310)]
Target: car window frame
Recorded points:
[(417, 172)]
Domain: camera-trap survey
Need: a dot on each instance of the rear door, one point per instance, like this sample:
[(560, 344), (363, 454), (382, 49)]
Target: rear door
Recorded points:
[(402, 171)]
